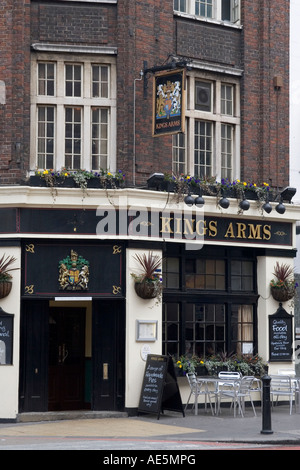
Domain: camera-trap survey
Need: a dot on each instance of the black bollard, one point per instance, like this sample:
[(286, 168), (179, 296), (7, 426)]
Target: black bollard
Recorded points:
[(266, 405)]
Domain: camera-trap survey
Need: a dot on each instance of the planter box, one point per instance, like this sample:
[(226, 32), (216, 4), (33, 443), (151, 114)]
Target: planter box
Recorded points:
[(37, 181)]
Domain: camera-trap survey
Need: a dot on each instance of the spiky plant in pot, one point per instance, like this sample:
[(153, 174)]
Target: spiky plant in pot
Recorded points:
[(283, 288), (148, 284), (5, 274)]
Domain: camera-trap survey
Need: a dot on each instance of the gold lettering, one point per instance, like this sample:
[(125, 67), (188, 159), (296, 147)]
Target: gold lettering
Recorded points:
[(241, 230), (178, 225), (229, 232), (166, 225), (213, 228), (201, 227), (188, 224), (267, 232), (254, 231)]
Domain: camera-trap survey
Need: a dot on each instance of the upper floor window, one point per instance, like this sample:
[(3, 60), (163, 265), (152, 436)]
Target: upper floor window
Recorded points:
[(219, 10), (210, 145), (73, 109)]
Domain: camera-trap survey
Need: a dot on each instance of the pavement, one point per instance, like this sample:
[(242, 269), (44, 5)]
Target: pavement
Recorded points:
[(117, 430)]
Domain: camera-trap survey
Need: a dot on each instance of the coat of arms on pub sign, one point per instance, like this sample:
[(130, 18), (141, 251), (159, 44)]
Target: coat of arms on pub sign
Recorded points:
[(73, 273)]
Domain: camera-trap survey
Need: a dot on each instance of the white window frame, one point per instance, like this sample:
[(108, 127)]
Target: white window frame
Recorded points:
[(190, 10), (216, 118), (86, 102)]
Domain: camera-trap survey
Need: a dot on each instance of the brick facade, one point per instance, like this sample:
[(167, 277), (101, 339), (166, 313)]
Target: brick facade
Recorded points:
[(149, 31)]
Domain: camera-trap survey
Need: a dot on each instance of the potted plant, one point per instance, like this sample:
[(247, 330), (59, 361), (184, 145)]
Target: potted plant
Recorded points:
[(5, 276), (148, 284), (283, 288)]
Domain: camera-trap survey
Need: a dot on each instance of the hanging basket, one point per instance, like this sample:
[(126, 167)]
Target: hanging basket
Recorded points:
[(5, 288), (282, 294), (146, 290)]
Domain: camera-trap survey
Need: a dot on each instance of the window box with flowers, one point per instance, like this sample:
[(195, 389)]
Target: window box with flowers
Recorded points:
[(77, 178), (283, 287), (243, 191), (212, 365)]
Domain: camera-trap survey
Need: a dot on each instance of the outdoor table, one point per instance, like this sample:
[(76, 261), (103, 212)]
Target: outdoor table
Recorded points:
[(208, 380)]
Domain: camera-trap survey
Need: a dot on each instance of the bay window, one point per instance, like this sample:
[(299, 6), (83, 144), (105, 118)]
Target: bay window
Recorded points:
[(210, 146)]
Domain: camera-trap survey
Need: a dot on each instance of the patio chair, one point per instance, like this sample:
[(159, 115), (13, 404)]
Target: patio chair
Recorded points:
[(281, 385), (238, 392), (198, 389)]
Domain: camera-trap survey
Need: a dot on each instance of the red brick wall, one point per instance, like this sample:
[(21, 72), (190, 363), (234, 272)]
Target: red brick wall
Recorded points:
[(265, 110), (149, 38), (148, 31), (15, 72)]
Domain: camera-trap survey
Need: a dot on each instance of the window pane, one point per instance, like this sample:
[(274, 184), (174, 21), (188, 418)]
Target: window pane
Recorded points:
[(46, 79), (100, 81), (178, 160), (205, 274), (45, 137), (73, 80), (203, 149), (242, 275), (180, 5), (73, 137), (99, 138), (171, 329), (242, 329)]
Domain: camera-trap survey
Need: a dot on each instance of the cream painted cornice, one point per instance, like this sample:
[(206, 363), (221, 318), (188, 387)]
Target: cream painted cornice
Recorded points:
[(54, 198)]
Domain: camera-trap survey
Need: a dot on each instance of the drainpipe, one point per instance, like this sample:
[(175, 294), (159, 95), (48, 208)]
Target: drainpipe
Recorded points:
[(134, 99)]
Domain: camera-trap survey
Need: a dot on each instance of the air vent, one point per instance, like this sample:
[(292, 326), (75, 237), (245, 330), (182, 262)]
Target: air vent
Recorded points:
[(203, 96)]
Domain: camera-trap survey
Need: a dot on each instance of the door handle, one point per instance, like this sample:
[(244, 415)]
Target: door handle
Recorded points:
[(105, 371)]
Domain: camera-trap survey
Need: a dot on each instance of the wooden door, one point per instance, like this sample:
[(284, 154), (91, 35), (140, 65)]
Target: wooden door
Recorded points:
[(34, 356), (108, 355), (66, 358)]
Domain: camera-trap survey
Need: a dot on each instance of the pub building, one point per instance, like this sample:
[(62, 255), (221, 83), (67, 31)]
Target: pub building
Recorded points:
[(122, 93), (79, 334)]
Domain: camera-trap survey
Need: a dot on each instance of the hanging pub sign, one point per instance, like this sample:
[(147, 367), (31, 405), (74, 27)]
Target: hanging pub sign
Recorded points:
[(280, 336), (168, 102)]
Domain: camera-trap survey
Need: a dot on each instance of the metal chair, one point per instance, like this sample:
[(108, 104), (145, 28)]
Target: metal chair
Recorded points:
[(198, 389), (238, 391), (281, 385)]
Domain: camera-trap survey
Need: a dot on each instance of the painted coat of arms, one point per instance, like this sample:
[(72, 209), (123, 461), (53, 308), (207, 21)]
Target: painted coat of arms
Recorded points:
[(73, 272), (169, 103)]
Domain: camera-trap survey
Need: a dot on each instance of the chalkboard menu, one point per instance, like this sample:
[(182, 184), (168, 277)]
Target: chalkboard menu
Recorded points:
[(160, 389), (6, 337), (280, 336)]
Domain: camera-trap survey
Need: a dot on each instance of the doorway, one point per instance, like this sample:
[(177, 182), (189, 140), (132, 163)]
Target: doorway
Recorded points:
[(72, 357), (66, 358)]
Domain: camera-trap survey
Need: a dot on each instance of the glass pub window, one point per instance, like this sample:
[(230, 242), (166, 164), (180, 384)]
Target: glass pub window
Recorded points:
[(171, 328), (242, 275), (204, 329), (171, 273), (206, 274)]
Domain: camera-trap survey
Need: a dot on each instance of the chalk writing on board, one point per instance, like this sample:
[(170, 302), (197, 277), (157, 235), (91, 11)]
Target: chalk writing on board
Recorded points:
[(280, 330)]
